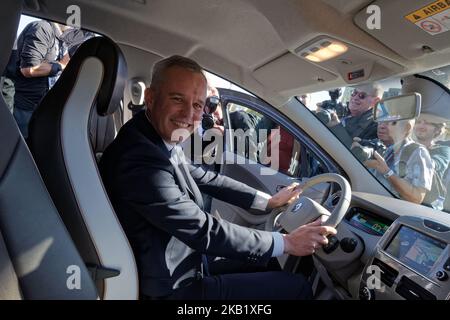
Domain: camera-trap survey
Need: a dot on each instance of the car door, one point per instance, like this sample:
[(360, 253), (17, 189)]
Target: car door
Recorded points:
[(299, 158)]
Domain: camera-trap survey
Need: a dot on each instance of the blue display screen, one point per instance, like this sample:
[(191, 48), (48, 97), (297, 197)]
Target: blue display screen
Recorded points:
[(369, 224)]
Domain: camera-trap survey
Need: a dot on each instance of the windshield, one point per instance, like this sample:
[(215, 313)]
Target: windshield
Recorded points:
[(442, 75), (409, 151)]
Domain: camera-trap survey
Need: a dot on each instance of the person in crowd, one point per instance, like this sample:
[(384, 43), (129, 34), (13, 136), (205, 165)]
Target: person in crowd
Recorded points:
[(35, 64), (430, 126), (406, 169), (334, 105), (359, 123)]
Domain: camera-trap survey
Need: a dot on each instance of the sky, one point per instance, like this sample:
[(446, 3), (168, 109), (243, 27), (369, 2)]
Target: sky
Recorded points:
[(24, 20)]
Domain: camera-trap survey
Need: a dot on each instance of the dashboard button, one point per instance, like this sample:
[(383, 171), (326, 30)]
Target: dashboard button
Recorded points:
[(441, 275), (447, 265), (348, 245), (333, 243)]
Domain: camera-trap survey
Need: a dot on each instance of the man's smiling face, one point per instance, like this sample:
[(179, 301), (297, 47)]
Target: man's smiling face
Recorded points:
[(361, 102), (177, 102)]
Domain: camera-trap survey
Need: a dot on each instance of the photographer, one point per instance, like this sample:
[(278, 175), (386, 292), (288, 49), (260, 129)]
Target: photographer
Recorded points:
[(364, 149), (333, 105), (213, 115), (360, 121), (410, 178), (212, 121), (383, 134)]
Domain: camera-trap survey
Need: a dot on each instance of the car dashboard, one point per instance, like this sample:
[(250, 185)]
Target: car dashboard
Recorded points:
[(406, 250)]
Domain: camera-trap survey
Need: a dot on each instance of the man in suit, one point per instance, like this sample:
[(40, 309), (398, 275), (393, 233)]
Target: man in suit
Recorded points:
[(157, 197)]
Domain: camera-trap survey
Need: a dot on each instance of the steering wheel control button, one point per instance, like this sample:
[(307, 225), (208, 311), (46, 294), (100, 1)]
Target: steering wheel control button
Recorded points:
[(348, 245), (366, 294), (441, 275), (333, 243)]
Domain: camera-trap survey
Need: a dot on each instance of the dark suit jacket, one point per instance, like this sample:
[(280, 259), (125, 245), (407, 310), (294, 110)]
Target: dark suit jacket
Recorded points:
[(362, 126), (167, 230)]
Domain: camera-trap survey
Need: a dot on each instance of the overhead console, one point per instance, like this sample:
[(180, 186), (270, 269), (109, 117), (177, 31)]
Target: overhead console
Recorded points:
[(411, 261), (411, 28), (352, 63), (324, 59)]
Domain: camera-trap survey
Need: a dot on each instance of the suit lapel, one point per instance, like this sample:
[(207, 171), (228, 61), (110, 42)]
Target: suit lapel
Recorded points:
[(181, 167), (182, 173), (181, 179)]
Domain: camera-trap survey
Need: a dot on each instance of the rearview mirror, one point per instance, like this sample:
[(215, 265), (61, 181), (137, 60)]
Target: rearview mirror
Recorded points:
[(397, 108)]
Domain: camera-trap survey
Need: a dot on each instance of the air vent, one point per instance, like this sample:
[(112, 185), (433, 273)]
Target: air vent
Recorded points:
[(410, 290), (388, 274)]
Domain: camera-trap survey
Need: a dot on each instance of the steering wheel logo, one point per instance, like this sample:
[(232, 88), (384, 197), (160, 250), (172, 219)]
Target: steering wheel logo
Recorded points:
[(297, 207)]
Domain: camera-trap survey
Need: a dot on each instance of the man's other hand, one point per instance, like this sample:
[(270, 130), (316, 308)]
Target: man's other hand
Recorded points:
[(306, 239), (285, 196)]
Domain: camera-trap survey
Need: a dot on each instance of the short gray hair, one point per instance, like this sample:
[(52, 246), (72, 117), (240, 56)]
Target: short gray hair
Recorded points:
[(373, 89), (161, 66)]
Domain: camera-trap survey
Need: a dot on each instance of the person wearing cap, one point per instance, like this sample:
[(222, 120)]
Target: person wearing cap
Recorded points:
[(360, 122), (430, 125)]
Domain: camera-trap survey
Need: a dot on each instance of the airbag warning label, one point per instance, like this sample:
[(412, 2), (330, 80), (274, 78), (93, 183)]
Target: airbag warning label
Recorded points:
[(433, 18)]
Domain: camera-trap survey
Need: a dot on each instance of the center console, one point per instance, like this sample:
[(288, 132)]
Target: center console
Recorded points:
[(411, 261)]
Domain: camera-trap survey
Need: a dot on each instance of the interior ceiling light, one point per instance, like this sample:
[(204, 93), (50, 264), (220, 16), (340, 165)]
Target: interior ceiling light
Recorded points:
[(322, 50)]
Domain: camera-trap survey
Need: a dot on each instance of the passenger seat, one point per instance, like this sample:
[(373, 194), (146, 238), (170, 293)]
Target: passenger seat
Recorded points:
[(60, 139), (38, 259)]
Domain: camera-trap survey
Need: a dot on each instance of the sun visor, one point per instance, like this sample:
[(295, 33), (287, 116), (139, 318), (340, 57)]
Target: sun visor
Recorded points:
[(290, 72), (411, 28)]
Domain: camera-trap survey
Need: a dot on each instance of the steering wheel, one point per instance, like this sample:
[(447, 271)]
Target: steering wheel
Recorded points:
[(305, 210)]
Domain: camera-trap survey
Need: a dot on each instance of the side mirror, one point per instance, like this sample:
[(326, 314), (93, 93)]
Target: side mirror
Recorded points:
[(397, 108)]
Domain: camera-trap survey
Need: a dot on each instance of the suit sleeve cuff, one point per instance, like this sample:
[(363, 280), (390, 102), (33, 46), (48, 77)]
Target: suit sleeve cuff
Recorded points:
[(261, 200), (278, 244)]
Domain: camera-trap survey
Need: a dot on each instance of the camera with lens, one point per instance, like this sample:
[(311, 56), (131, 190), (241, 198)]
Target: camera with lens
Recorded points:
[(208, 119), (367, 149), (324, 115)]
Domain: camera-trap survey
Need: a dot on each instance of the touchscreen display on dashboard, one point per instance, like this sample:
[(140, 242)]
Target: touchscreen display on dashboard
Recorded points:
[(416, 250)]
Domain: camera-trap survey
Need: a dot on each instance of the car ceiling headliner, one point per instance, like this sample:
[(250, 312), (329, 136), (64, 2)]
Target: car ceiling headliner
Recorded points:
[(232, 38)]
